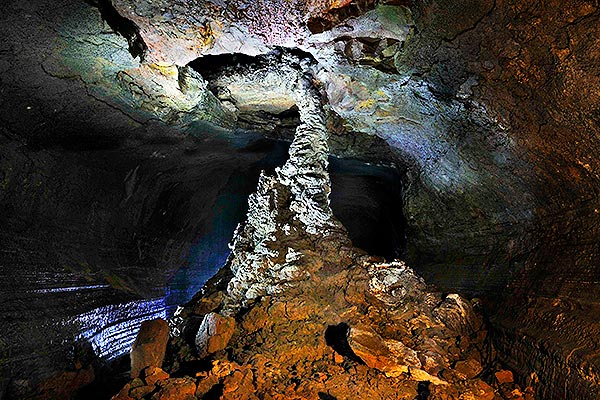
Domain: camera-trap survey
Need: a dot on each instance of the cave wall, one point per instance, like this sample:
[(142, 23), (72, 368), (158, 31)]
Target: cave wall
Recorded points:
[(534, 65), (93, 238)]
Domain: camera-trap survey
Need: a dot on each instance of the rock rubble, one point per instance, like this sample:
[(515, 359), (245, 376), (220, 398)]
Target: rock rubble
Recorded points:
[(298, 313)]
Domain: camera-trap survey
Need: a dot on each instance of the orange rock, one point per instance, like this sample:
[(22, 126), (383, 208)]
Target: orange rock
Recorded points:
[(484, 391), (340, 4), (238, 386), (150, 346), (152, 375), (370, 347), (176, 389), (123, 393), (204, 385), (214, 333), (504, 376), (141, 391), (469, 368)]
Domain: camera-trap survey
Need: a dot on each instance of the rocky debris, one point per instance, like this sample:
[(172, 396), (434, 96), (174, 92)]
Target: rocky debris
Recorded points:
[(64, 385), (151, 375), (458, 314), (509, 389), (504, 376), (214, 333), (150, 346), (391, 357), (176, 389), (301, 314), (469, 368)]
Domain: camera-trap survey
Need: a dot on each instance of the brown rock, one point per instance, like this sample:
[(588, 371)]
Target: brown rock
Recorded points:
[(238, 385), (384, 355), (458, 314), (150, 346), (137, 382), (504, 376), (205, 385), (152, 375), (394, 361), (403, 353), (370, 347), (141, 391), (66, 384), (123, 393), (176, 389), (483, 391), (469, 368), (214, 333)]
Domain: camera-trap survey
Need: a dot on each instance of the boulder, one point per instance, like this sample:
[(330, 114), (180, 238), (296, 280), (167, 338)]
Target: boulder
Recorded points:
[(150, 346), (504, 376), (214, 333), (458, 314), (176, 389), (391, 357)]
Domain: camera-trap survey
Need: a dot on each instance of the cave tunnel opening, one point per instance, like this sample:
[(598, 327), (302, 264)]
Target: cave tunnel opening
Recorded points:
[(367, 199), (213, 66)]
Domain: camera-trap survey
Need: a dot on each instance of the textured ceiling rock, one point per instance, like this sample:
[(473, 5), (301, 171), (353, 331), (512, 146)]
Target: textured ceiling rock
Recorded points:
[(179, 32)]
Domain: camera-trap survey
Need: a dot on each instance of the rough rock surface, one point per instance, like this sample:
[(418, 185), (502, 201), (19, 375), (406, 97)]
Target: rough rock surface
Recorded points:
[(214, 333), (315, 317), (150, 346), (291, 203)]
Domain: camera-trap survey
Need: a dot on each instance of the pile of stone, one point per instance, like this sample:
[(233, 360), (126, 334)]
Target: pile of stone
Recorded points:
[(299, 313)]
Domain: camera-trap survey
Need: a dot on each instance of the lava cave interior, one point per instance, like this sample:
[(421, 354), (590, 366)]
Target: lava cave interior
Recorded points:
[(324, 199)]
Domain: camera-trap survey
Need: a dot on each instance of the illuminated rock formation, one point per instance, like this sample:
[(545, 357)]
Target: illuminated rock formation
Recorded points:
[(314, 316)]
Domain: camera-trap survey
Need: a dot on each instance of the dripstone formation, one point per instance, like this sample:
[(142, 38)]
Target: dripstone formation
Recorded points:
[(298, 313)]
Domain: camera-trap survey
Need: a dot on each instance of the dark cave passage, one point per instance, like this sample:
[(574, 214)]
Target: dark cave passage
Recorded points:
[(367, 199)]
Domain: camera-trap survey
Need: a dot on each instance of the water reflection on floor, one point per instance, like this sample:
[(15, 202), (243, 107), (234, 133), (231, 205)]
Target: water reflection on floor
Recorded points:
[(111, 329)]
